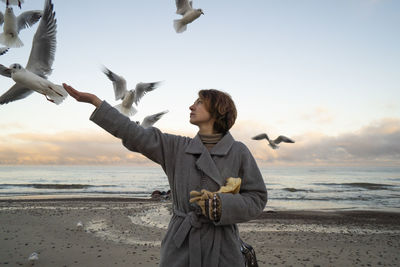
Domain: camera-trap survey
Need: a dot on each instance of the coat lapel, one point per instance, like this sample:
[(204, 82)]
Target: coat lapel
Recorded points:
[(205, 163)]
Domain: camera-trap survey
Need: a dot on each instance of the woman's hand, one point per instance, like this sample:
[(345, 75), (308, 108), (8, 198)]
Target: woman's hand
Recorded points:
[(82, 96)]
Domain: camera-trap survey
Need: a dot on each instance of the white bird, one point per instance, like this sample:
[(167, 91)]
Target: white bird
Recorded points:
[(34, 257), (126, 107), (185, 8), (79, 225), (273, 143), (3, 50), (13, 25), (34, 76), (149, 121), (13, 2), (128, 96)]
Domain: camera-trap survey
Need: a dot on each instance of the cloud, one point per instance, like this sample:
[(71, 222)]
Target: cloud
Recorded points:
[(376, 143), (66, 148), (11, 126), (319, 115)]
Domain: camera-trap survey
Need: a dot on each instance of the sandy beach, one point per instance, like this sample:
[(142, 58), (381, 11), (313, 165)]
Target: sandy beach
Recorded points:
[(128, 232)]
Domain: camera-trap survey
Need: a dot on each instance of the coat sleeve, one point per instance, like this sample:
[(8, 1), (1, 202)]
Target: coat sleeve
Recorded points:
[(150, 142), (249, 203)]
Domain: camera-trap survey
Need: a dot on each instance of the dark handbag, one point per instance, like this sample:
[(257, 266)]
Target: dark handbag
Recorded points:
[(249, 254)]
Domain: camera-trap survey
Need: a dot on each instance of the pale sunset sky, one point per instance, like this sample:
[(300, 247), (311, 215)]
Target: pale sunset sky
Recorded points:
[(323, 72)]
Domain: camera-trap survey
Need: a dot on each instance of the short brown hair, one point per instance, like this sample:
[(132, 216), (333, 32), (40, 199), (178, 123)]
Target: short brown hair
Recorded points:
[(221, 107)]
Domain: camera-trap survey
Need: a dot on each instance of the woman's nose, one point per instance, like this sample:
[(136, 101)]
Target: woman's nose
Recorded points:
[(191, 107)]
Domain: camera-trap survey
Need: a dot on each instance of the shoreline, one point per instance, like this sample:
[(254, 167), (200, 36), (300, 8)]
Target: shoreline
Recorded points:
[(128, 232), (125, 198)]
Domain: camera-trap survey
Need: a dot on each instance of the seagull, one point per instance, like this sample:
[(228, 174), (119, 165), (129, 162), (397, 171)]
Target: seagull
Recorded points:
[(149, 121), (3, 50), (34, 76), (13, 2), (134, 96), (128, 96), (126, 107), (13, 25), (273, 143), (185, 8), (34, 257)]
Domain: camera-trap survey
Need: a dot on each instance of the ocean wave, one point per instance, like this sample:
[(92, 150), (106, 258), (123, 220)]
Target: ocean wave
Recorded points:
[(369, 186), (53, 186), (337, 198), (292, 189)]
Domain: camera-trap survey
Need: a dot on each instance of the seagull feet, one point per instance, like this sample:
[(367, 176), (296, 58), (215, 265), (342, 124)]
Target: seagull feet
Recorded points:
[(48, 99)]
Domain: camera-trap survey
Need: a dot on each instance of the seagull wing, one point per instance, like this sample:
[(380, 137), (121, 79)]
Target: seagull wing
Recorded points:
[(151, 119), (260, 137), (44, 43), (28, 18), (142, 88), (119, 83), (3, 50), (282, 138), (13, 2), (5, 71), (182, 6), (16, 92), (1, 18)]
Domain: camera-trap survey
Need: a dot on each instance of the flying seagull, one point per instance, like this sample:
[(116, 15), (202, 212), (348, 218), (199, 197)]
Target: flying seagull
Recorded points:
[(13, 2), (273, 143), (149, 121), (34, 76), (13, 25), (128, 96), (126, 106), (185, 8)]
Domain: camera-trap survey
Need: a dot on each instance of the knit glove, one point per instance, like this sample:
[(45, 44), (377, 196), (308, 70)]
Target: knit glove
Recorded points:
[(209, 202)]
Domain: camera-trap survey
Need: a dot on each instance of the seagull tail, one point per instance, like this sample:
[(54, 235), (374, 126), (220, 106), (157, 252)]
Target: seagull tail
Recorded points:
[(10, 41), (59, 94), (126, 111), (179, 26)]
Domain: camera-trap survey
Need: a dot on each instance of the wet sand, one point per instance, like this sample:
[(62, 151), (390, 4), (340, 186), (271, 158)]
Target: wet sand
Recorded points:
[(128, 232)]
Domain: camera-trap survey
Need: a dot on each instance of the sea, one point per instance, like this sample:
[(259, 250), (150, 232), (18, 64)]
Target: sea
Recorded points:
[(289, 188)]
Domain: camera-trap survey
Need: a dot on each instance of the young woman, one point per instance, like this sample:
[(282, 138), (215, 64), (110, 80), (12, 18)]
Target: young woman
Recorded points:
[(196, 237)]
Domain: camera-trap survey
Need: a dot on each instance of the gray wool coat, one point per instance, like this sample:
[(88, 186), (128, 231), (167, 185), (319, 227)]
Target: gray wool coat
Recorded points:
[(191, 239)]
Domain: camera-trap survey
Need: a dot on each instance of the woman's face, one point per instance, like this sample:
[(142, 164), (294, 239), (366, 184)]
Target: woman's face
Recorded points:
[(199, 114)]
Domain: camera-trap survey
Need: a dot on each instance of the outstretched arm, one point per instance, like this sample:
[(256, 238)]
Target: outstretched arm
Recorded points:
[(82, 96)]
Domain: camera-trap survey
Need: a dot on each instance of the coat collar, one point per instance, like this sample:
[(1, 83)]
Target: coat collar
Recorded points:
[(204, 162), (220, 149)]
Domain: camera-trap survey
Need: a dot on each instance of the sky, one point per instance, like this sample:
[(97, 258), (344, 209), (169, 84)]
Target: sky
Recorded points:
[(324, 73)]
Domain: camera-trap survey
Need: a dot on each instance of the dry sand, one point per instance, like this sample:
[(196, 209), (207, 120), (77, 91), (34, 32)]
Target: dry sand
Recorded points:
[(128, 232)]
